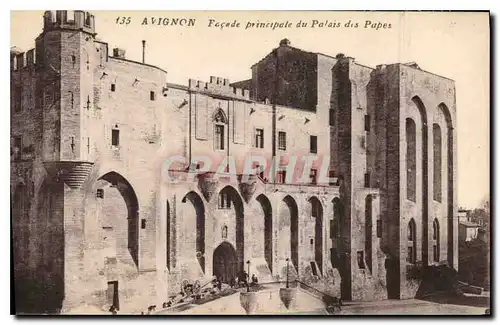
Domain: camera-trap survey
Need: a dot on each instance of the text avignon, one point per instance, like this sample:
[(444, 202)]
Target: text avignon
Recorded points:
[(161, 21)]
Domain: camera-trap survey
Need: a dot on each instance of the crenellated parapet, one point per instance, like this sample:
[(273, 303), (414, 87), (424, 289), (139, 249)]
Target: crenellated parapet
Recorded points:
[(219, 86), (20, 60), (69, 19)]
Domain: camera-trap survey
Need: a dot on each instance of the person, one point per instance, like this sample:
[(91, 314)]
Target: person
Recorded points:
[(233, 283), (254, 279), (214, 282), (219, 284)]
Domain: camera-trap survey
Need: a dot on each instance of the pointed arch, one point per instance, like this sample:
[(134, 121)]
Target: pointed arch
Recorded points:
[(199, 224), (219, 116), (220, 121), (229, 198), (449, 154), (317, 214), (125, 189), (424, 174), (294, 230), (268, 229)]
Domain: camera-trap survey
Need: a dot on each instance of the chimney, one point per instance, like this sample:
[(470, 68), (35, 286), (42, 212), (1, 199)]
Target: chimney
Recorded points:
[(143, 51), (119, 53)]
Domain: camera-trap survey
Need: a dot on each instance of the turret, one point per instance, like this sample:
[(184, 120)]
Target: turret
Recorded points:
[(66, 58), (69, 19)]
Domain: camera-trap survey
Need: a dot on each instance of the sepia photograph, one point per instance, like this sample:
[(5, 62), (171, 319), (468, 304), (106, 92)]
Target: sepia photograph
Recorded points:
[(168, 163)]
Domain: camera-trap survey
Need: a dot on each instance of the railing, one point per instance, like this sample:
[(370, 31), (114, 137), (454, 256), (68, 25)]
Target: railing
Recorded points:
[(315, 291), (292, 284)]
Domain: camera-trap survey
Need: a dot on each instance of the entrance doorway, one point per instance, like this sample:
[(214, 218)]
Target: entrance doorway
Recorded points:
[(112, 294), (225, 262)]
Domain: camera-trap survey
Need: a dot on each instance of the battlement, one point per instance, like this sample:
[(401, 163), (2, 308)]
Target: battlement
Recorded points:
[(219, 86), (69, 19), (20, 60)]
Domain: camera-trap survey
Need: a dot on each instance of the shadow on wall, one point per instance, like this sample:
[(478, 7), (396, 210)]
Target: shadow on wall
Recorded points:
[(39, 289)]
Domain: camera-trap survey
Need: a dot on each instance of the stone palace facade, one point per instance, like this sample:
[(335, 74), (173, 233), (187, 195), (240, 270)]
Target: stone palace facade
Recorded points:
[(95, 222)]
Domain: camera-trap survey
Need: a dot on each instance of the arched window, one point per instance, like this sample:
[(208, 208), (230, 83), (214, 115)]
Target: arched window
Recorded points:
[(411, 160), (220, 122), (412, 241), (436, 133), (435, 240)]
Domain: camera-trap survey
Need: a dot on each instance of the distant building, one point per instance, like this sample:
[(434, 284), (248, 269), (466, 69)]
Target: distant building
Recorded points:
[(95, 223), (467, 228)]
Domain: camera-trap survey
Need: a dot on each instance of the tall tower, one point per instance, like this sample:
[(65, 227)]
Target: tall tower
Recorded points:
[(65, 56)]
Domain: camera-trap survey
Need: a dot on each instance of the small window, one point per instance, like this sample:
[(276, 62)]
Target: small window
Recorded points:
[(219, 137), (152, 95), (367, 123), (367, 179), (100, 193), (314, 269), (379, 228), (115, 137), (281, 177), (143, 223), (361, 259), (311, 241), (313, 144), (313, 176), (332, 117), (224, 201), (113, 87), (281, 140), (259, 138)]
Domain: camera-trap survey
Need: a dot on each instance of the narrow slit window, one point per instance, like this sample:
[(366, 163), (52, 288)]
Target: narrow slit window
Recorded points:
[(313, 144), (115, 137)]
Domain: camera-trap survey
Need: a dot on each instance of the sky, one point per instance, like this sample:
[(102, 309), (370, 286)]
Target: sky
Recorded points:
[(454, 45)]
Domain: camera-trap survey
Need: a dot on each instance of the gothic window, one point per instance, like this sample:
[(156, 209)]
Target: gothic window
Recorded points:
[(219, 130)]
